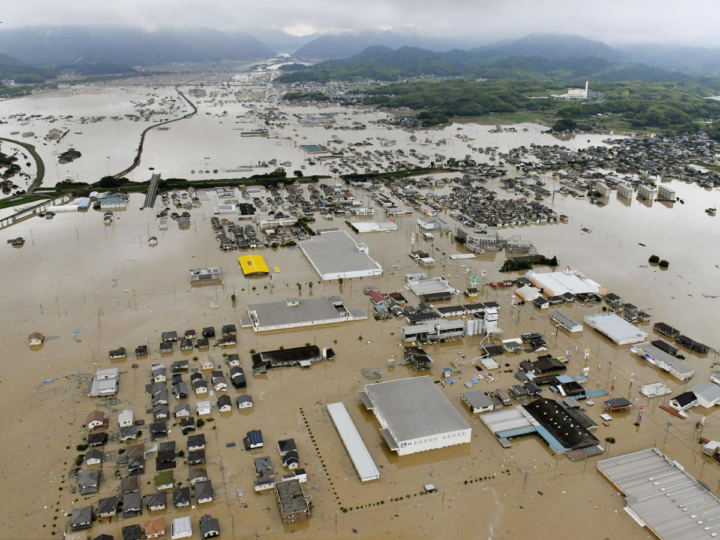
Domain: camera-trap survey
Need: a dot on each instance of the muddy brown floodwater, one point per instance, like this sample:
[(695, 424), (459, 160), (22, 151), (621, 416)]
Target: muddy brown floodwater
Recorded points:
[(75, 274)]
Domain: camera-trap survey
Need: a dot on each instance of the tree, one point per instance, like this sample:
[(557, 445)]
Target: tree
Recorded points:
[(110, 182), (664, 264), (564, 124), (298, 173), (654, 259)]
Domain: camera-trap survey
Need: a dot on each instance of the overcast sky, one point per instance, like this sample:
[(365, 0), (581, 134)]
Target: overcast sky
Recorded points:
[(692, 22)]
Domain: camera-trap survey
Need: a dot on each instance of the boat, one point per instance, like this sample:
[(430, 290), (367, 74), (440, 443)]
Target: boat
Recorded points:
[(711, 211)]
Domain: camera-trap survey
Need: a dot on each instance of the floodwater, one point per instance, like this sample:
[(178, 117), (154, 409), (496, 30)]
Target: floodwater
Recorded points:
[(75, 274)]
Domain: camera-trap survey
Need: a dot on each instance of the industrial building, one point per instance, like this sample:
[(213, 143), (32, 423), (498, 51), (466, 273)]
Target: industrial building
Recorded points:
[(299, 312), (662, 496), (568, 281), (414, 415), (298, 356), (561, 426), (335, 255), (361, 227), (253, 265), (356, 449), (615, 328), (657, 357)]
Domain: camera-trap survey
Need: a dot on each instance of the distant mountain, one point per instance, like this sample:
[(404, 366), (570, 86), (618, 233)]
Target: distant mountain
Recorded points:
[(12, 68), (384, 64), (690, 60), (553, 46), (97, 68), (351, 44), (127, 46)]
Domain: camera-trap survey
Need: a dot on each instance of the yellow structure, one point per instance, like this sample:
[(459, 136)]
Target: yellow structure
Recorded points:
[(253, 265)]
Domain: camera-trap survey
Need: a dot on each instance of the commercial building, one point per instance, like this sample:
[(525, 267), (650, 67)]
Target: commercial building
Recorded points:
[(615, 328), (662, 496), (414, 415), (253, 265), (478, 401), (294, 504), (568, 281), (657, 357), (335, 255), (358, 452), (434, 332), (299, 312), (370, 226)]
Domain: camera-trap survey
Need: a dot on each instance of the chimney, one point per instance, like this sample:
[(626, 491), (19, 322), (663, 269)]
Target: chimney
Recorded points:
[(587, 87)]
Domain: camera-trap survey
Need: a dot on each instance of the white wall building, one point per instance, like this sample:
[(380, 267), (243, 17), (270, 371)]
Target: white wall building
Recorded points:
[(415, 416)]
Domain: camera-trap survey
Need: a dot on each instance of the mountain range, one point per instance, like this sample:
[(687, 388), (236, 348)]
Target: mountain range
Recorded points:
[(114, 49)]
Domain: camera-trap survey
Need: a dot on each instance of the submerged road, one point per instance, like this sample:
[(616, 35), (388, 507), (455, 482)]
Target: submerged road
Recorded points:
[(138, 156)]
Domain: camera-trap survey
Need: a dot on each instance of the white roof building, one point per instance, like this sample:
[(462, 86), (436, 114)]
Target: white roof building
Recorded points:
[(125, 418), (181, 528), (415, 416), (355, 446)]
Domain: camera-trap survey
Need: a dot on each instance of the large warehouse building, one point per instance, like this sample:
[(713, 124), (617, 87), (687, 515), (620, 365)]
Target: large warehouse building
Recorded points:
[(662, 496), (615, 328), (335, 255), (569, 281), (415, 415), (299, 312)]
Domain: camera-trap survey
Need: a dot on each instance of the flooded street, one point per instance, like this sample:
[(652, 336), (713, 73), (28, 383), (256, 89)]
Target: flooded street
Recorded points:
[(90, 288)]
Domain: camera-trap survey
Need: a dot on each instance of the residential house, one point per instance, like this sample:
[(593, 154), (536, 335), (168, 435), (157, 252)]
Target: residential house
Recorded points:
[(81, 518), (244, 401), (204, 492), (200, 386), (136, 465), (156, 501), (35, 339), (132, 504), (208, 332), (129, 433), (108, 506), (291, 460), (88, 482), (118, 354), (141, 350), (131, 532), (220, 384), (181, 528), (203, 408), (126, 418), (286, 445), (206, 363), (93, 457), (187, 425), (155, 528), (209, 526), (224, 403), (477, 401), (237, 377), (96, 420), (190, 334), (229, 330), (180, 390), (97, 439), (203, 344), (160, 412), (683, 401), (253, 439), (227, 341), (169, 337), (186, 345), (181, 410), (196, 457), (159, 373), (181, 497), (233, 360), (180, 366), (263, 467), (129, 485), (196, 442), (198, 474), (166, 348), (158, 430), (165, 480)]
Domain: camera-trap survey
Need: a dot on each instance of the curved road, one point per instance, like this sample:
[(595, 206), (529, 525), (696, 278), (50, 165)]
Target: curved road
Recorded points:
[(138, 156)]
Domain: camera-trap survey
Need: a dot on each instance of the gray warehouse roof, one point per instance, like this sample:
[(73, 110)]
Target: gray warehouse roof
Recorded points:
[(415, 408), (307, 311), (336, 253), (667, 499)]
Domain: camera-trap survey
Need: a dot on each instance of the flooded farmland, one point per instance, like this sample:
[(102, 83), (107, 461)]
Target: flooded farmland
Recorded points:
[(90, 288)]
